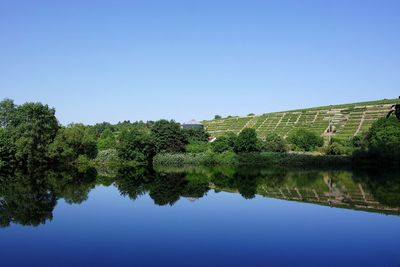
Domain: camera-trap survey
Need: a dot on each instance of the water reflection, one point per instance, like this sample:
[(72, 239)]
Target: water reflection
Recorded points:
[(30, 198)]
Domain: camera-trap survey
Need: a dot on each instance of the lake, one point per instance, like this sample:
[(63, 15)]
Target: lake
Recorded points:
[(220, 216)]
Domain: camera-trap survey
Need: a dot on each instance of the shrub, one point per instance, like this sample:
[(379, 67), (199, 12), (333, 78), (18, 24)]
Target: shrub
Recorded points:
[(247, 141), (305, 140), (383, 139), (106, 140), (224, 143), (196, 135), (197, 147), (336, 149), (274, 143)]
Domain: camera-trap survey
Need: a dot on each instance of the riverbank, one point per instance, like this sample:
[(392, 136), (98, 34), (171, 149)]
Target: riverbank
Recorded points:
[(263, 158)]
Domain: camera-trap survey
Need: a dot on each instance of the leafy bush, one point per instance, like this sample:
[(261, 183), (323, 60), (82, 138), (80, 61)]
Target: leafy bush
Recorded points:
[(107, 155), (335, 149), (106, 140), (305, 140), (224, 143), (247, 141), (197, 147), (196, 135), (274, 143), (383, 139)]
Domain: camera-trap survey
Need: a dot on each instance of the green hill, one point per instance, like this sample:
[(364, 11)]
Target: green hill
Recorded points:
[(348, 120)]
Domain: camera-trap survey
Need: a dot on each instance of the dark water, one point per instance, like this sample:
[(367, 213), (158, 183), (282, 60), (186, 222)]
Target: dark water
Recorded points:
[(200, 217)]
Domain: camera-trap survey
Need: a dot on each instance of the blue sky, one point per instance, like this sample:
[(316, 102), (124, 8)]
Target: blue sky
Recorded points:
[(100, 61)]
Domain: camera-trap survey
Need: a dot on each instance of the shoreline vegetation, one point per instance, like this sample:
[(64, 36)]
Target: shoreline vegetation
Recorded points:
[(283, 159), (32, 137)]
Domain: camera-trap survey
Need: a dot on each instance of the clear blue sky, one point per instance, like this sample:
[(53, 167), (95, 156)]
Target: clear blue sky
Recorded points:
[(100, 61)]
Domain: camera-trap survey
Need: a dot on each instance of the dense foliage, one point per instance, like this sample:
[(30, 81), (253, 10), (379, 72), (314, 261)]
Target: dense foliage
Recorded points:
[(383, 140), (306, 140), (72, 142), (168, 136), (224, 143), (29, 129), (247, 141), (274, 143), (135, 144)]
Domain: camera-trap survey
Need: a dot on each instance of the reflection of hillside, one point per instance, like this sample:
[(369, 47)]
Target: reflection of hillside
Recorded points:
[(342, 189), (334, 194)]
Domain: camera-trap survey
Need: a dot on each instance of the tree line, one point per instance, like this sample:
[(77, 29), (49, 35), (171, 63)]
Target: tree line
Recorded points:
[(30, 135)]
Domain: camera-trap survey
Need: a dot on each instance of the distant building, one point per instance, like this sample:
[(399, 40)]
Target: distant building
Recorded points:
[(193, 124)]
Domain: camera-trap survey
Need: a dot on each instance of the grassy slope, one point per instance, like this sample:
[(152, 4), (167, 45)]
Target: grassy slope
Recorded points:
[(347, 119)]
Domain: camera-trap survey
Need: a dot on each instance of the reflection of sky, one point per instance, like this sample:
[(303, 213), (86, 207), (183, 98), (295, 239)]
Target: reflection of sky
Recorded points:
[(220, 229)]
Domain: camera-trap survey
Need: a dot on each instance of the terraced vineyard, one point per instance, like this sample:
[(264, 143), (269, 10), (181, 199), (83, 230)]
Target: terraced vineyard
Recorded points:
[(346, 120)]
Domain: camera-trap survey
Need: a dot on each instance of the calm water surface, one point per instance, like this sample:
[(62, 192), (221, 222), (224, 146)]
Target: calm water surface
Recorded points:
[(200, 217)]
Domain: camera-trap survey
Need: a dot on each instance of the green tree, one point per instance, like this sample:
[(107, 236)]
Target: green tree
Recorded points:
[(7, 108), (196, 135), (336, 148), (224, 143), (135, 144), (274, 143), (383, 139), (6, 149), (72, 142), (217, 117), (33, 128), (305, 140), (106, 140), (247, 141), (168, 136)]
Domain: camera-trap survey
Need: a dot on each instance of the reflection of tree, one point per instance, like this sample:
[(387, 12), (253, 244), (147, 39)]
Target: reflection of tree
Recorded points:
[(72, 185), (195, 189), (29, 198), (244, 180), (25, 199), (163, 188), (384, 185), (167, 188), (132, 182)]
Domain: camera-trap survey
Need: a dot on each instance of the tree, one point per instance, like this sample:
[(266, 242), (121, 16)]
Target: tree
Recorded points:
[(305, 140), (168, 136), (99, 128), (106, 140), (6, 148), (224, 143), (196, 135), (135, 144), (274, 143), (33, 127), (7, 108), (383, 139), (217, 117), (247, 141), (72, 142)]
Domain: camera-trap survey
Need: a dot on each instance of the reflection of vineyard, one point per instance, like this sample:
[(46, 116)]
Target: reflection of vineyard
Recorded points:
[(338, 191)]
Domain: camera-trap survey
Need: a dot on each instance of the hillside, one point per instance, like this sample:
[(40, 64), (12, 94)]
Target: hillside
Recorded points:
[(347, 120)]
